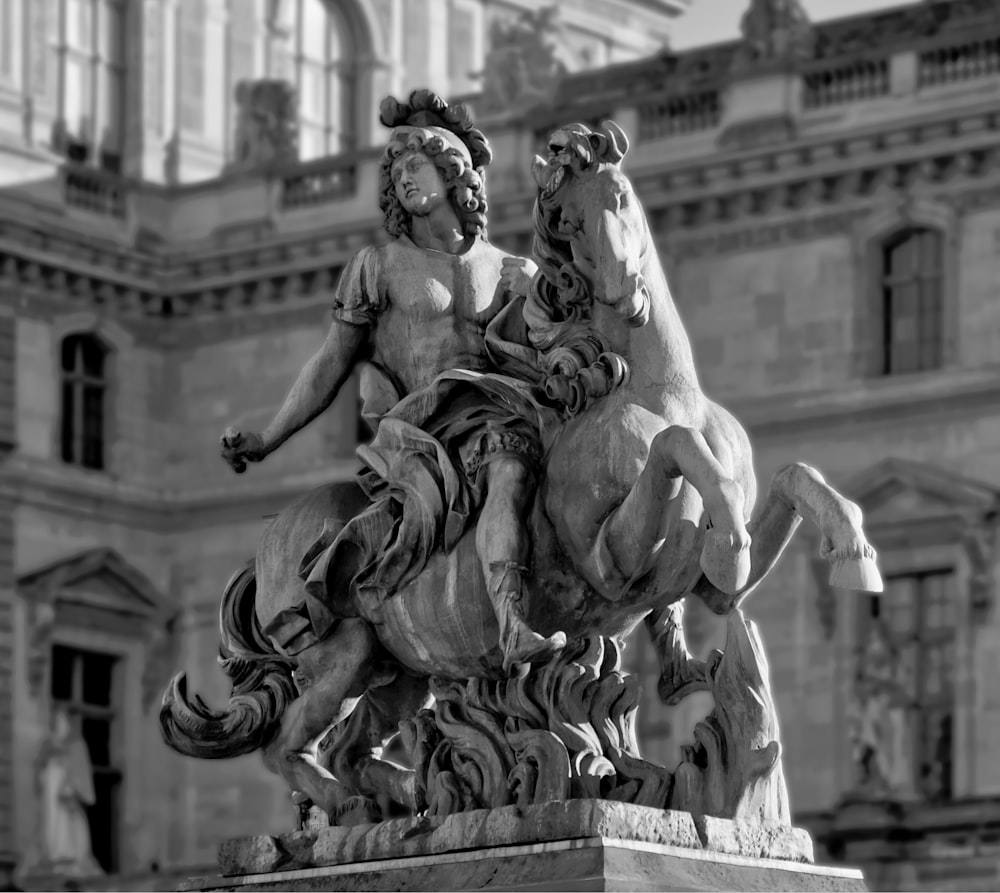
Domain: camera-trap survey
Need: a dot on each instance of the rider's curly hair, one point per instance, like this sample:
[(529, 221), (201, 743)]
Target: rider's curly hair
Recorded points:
[(465, 186)]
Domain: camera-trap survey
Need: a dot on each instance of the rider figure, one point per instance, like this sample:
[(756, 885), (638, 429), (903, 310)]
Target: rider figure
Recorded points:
[(416, 309)]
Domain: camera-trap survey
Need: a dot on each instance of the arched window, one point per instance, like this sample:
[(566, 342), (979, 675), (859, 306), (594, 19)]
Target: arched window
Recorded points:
[(326, 80), (912, 302), (84, 385)]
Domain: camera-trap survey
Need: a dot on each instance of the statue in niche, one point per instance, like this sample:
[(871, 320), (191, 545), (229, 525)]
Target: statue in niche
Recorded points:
[(65, 787), (522, 66), (267, 128), (879, 722), (546, 475)]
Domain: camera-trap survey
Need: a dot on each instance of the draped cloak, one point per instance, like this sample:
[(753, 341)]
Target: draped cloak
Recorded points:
[(423, 470)]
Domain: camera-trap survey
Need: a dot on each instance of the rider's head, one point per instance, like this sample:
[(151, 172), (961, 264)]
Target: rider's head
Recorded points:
[(450, 155)]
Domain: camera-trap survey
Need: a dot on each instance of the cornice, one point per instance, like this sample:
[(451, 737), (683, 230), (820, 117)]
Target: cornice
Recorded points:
[(728, 201), (102, 499), (886, 401)]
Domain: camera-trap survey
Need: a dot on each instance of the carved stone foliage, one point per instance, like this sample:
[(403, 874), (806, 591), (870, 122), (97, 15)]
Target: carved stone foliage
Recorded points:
[(733, 770), (267, 128), (565, 731), (522, 67)]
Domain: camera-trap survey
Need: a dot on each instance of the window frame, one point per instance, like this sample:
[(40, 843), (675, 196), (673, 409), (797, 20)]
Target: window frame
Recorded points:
[(80, 382), (104, 67), (920, 637), (341, 133), (905, 549), (81, 709), (906, 295), (870, 237)]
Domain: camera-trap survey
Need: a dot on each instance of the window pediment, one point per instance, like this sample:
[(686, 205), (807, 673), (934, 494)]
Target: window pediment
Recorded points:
[(897, 491), (97, 588), (98, 578)]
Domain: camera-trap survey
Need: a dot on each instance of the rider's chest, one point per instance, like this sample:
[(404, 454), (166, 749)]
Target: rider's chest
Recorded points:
[(444, 286)]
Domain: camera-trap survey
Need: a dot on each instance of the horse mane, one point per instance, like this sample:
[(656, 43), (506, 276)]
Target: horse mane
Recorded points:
[(578, 364)]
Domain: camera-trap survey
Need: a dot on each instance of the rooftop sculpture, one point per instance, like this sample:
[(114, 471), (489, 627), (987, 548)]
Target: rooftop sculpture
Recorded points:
[(546, 477)]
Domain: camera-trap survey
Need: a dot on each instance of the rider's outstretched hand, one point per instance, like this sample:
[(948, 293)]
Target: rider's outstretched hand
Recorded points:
[(240, 447)]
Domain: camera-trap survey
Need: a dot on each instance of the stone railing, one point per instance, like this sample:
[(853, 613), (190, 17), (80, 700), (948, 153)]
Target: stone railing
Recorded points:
[(974, 58), (319, 182), (844, 82), (679, 114), (94, 190)]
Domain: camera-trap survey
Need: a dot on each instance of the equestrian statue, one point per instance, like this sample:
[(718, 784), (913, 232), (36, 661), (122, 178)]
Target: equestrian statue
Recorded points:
[(545, 476)]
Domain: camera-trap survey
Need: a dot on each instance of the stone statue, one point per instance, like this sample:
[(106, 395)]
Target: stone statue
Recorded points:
[(879, 722), (522, 67), (266, 125), (545, 475), (775, 30), (65, 785)]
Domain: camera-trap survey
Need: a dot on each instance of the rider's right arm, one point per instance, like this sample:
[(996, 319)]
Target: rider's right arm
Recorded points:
[(357, 303), (318, 383)]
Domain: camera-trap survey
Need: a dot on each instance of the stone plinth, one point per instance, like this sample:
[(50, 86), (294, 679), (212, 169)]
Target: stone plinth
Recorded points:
[(590, 863), (571, 845)]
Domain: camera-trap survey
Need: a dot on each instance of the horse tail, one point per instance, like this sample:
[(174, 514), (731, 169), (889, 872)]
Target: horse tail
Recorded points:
[(261, 686)]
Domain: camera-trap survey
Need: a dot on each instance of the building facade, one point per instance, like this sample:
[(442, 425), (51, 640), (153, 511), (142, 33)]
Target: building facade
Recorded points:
[(827, 203)]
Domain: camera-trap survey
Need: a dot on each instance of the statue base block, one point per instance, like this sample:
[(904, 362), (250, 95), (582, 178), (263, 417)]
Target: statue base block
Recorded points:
[(590, 863), (564, 845)]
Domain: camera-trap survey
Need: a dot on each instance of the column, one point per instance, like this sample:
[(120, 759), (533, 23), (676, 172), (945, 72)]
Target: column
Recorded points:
[(7, 583)]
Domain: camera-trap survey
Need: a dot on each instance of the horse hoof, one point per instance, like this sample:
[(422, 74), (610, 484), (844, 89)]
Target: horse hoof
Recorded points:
[(727, 568), (859, 574)]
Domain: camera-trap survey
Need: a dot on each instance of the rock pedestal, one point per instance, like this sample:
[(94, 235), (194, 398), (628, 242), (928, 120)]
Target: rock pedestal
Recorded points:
[(568, 845)]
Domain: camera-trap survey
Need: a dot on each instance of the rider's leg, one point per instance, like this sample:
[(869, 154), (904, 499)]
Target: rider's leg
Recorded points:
[(504, 545), (332, 676)]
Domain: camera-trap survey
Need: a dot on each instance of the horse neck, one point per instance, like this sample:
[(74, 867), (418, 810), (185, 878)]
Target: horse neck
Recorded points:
[(660, 352)]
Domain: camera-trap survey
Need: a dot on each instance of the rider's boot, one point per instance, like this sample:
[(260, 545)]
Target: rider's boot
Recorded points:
[(518, 642)]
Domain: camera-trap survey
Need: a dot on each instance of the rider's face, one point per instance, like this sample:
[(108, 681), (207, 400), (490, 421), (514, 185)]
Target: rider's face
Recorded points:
[(418, 184)]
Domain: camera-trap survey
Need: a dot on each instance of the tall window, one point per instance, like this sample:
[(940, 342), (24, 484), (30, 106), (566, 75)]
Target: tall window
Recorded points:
[(88, 38), (915, 617), (8, 38), (326, 80), (83, 682), (84, 386), (912, 302)]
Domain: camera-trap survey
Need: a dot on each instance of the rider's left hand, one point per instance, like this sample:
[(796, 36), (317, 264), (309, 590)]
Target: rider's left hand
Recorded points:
[(517, 273)]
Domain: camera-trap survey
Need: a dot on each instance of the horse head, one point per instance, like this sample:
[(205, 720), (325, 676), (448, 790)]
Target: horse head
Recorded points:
[(586, 201)]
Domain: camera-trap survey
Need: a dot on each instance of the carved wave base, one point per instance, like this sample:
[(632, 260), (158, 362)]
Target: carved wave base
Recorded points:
[(569, 845)]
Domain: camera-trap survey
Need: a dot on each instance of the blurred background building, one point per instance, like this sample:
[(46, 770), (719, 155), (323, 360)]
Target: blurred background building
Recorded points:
[(181, 182)]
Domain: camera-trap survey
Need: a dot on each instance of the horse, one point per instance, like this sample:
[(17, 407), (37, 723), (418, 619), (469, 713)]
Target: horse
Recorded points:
[(647, 497)]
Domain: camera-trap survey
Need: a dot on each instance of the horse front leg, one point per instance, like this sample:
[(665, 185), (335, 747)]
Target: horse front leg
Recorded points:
[(639, 528), (799, 492)]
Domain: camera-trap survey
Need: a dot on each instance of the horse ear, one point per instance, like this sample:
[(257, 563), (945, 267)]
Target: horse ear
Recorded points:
[(617, 142)]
